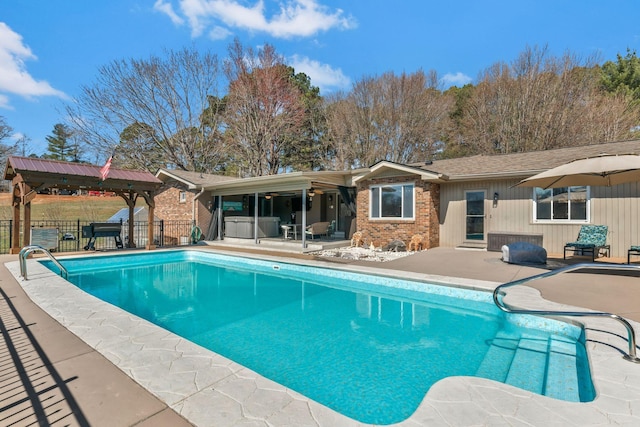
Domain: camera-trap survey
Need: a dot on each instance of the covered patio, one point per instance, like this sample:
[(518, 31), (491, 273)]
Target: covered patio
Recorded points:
[(278, 209), (29, 176)]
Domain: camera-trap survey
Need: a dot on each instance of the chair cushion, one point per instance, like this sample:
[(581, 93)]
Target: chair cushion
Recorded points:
[(579, 245), (593, 234)]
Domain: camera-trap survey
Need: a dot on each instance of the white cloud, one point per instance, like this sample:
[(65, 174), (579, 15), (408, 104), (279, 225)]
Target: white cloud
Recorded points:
[(293, 18), (167, 9), (219, 33), (458, 79), (17, 136), (4, 101), (14, 78), (321, 75)]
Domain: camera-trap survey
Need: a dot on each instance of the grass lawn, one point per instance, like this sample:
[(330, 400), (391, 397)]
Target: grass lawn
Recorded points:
[(67, 208)]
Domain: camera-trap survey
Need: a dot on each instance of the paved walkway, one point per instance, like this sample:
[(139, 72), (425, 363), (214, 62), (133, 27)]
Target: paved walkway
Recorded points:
[(618, 293), (50, 373), (48, 376)]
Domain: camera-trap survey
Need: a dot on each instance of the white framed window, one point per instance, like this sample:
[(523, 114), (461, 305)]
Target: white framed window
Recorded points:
[(566, 204), (392, 201), (182, 197)]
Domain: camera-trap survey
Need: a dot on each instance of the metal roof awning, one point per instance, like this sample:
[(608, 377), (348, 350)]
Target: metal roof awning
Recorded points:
[(30, 175), (43, 173)]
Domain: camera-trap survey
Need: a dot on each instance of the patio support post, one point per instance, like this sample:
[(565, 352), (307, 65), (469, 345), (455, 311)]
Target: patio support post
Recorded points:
[(15, 240), (130, 199), (148, 197), (304, 218), (26, 195), (26, 224), (219, 217), (131, 203), (255, 225)]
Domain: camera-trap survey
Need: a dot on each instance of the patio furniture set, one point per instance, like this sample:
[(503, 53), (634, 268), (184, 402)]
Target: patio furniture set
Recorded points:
[(315, 230), (592, 239)]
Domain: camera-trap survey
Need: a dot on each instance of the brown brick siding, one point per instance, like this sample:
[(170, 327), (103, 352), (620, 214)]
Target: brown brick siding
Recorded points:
[(426, 221), (168, 206)]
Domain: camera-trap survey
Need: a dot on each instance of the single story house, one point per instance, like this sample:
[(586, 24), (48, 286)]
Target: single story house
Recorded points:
[(464, 202)]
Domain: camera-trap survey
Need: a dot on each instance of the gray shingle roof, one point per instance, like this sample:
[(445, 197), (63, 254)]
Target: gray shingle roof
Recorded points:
[(196, 178), (524, 163)]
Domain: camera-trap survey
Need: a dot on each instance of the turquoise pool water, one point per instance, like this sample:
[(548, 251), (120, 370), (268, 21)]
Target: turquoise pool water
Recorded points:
[(369, 347)]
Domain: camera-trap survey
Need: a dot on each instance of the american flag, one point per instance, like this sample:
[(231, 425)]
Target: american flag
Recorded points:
[(104, 171)]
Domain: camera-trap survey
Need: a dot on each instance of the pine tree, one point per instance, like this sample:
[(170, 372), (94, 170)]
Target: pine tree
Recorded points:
[(60, 146)]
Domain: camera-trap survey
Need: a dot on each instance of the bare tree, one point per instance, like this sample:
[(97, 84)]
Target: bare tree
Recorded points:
[(541, 102), (265, 113), (6, 148), (168, 95), (396, 118)]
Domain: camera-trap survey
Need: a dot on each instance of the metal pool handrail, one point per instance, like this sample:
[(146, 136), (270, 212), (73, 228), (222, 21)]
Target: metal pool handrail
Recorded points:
[(631, 356), (27, 250)]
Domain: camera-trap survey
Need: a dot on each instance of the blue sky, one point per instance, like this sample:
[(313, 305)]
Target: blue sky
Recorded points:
[(50, 49)]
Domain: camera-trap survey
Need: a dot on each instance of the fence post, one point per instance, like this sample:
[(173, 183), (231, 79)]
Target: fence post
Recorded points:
[(162, 232), (78, 234), (10, 234)]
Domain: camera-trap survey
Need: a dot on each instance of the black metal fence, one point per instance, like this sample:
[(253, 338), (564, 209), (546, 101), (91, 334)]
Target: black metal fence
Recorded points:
[(69, 237)]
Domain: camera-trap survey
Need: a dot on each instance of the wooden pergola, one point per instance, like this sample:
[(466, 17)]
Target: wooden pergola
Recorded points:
[(31, 175)]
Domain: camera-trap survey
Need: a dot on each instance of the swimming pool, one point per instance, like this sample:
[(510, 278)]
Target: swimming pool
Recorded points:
[(369, 347)]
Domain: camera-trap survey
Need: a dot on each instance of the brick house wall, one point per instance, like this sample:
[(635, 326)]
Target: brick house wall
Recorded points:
[(426, 215), (168, 204), (169, 207)]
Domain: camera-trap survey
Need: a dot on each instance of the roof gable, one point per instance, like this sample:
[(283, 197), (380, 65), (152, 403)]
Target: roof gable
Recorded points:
[(385, 168)]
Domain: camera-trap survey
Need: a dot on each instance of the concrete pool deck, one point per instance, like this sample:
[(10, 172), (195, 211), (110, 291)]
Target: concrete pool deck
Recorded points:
[(209, 390)]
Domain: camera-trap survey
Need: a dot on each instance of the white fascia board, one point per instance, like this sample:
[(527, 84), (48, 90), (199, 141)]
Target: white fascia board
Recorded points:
[(190, 185), (424, 175)]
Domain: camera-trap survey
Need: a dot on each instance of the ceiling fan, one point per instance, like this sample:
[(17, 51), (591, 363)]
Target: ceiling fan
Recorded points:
[(313, 191)]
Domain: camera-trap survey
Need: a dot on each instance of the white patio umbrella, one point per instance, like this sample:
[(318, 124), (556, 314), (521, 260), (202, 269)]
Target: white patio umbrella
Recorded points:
[(605, 170)]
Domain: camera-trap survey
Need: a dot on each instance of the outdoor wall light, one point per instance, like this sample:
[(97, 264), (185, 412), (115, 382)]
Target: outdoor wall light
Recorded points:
[(267, 196), (312, 192), (496, 196)]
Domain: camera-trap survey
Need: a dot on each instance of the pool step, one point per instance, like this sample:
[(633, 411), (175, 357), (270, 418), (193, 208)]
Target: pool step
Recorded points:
[(497, 361), (543, 366), (528, 369), (562, 377)]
